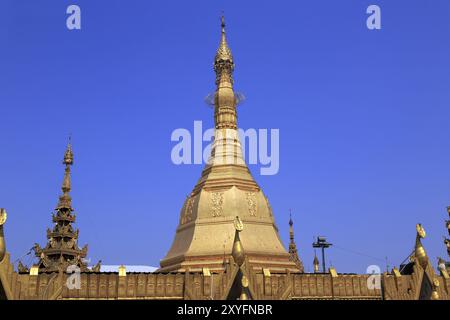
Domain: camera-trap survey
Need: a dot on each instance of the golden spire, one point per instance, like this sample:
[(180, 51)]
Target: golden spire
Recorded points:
[(225, 101), (293, 253), (223, 52), (65, 201), (316, 263), (291, 229), (68, 155)]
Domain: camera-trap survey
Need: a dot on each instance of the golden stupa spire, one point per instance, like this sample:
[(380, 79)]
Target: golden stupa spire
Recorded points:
[(223, 52), (225, 101)]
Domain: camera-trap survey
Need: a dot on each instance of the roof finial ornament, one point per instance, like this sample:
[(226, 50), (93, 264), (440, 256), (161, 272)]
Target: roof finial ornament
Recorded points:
[(238, 251), (316, 263), (293, 253), (224, 59), (291, 227), (2, 237), (68, 155), (419, 251), (65, 200), (225, 116), (223, 22)]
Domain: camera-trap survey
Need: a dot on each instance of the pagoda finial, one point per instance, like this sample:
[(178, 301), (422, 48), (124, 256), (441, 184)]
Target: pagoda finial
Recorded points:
[(291, 227), (65, 200), (224, 99), (293, 254), (223, 22), (223, 62), (316, 263), (291, 224), (224, 52), (68, 155)]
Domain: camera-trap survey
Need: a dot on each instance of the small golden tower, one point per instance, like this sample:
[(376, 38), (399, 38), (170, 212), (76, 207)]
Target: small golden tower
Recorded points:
[(62, 248), (316, 264)]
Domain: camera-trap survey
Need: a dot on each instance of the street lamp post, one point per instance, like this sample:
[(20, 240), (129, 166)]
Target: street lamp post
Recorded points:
[(322, 244)]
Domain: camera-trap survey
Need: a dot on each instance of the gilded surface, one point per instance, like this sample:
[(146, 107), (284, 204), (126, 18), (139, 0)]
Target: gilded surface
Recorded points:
[(216, 204), (188, 212), (251, 201)]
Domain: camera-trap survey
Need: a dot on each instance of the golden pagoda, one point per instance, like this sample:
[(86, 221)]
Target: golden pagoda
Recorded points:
[(226, 189)]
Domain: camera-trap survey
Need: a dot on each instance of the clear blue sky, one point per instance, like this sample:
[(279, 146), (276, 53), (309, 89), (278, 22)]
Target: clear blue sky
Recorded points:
[(363, 118)]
